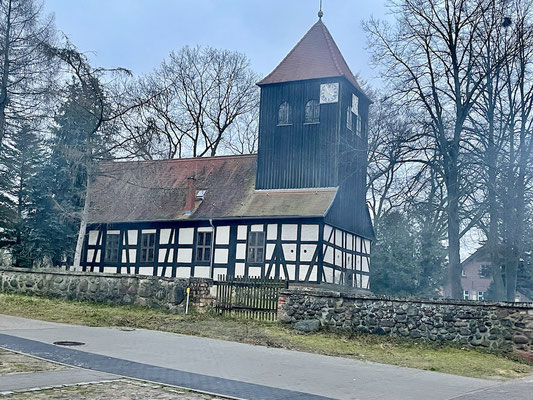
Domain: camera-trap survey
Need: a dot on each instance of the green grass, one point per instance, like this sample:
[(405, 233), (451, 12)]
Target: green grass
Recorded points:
[(426, 356)]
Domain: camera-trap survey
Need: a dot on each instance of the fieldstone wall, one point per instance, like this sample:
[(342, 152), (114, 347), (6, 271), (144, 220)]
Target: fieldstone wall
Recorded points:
[(147, 291), (502, 326)]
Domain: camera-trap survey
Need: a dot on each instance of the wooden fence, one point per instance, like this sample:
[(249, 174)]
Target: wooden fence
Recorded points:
[(248, 297)]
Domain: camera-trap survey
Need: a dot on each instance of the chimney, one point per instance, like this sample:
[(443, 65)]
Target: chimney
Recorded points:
[(190, 197)]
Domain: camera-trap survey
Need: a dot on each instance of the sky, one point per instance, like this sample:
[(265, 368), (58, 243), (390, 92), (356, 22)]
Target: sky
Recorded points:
[(139, 34)]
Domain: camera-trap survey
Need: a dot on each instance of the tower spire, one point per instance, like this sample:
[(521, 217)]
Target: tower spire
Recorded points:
[(320, 12)]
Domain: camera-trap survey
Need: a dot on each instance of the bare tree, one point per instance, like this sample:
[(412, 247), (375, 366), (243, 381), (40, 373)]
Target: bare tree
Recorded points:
[(26, 70), (197, 97), (433, 59)]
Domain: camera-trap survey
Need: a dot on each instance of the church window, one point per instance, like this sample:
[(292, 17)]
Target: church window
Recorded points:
[(284, 114), (312, 112), (256, 247), (203, 246), (147, 247), (349, 118), (111, 247)]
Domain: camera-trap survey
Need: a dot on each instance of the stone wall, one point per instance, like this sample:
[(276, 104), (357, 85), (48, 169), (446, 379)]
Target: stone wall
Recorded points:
[(147, 291), (502, 326)]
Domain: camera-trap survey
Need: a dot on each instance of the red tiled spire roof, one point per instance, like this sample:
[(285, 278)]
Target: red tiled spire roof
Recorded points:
[(316, 55)]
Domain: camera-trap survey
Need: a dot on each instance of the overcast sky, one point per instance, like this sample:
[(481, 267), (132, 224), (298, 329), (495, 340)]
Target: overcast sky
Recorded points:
[(139, 34)]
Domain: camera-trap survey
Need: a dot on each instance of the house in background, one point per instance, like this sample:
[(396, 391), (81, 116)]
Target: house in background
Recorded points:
[(296, 210), (476, 276)]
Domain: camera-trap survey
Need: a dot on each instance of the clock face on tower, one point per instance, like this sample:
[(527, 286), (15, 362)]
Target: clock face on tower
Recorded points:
[(329, 93)]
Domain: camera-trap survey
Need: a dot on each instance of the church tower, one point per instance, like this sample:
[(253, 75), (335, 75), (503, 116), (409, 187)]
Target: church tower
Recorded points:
[(313, 128)]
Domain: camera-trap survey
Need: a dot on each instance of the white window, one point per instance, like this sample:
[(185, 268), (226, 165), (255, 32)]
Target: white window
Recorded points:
[(465, 295), (463, 272), (349, 118), (480, 295), (284, 114)]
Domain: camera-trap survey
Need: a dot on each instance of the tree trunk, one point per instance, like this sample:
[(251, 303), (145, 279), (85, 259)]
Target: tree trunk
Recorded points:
[(4, 99), (454, 246), (83, 225)]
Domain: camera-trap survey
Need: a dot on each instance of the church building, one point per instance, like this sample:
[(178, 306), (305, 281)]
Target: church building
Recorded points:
[(296, 210)]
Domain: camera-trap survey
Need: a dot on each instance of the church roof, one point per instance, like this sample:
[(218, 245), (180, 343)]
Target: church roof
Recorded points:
[(157, 190), (316, 55)]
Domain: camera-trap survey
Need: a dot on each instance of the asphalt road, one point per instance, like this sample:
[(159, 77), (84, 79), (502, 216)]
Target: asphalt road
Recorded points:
[(240, 370)]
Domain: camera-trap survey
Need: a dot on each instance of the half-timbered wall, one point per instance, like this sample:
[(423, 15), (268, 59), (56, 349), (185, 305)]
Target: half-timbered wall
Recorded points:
[(346, 258), (291, 250)]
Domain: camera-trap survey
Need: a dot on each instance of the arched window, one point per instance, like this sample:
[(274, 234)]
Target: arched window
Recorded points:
[(312, 112), (284, 114)]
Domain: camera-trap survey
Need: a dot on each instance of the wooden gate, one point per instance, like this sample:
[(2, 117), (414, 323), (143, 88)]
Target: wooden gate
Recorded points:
[(249, 297)]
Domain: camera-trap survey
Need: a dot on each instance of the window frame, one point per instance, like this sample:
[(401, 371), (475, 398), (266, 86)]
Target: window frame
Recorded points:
[(144, 255), (484, 271), (202, 248), (288, 112), (481, 295), (349, 118), (109, 247), (466, 295), (253, 247), (312, 112)]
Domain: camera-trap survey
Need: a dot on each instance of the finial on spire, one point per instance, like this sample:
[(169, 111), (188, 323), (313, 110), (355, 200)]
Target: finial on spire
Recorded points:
[(320, 12)]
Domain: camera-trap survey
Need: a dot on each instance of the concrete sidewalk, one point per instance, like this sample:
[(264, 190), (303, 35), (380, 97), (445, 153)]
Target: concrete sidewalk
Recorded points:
[(226, 365), (33, 380)]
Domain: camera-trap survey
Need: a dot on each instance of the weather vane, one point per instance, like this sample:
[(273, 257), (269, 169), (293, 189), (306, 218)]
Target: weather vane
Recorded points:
[(320, 12)]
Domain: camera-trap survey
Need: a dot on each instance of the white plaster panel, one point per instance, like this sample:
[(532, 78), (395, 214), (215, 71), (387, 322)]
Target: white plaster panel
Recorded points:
[(201, 272), (327, 231), (270, 250), (124, 258), (97, 257), (338, 258), (256, 228), (337, 277), (328, 272), (222, 235), (303, 272), (289, 231), (163, 253), (221, 256), (205, 229), (358, 244), (349, 261), (272, 231), (358, 263), (239, 269), (217, 272), (364, 264), (183, 272), (272, 273), (168, 272), (289, 251), (149, 231), (113, 232), (159, 271), (349, 241), (132, 236), (365, 282), (93, 236), (338, 237), (291, 269), (133, 255), (184, 255), (241, 232), (146, 271), (186, 236), (313, 276), (328, 255), (366, 243), (307, 251), (90, 255), (241, 251), (282, 273), (254, 272), (164, 236), (309, 233), (110, 270)]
